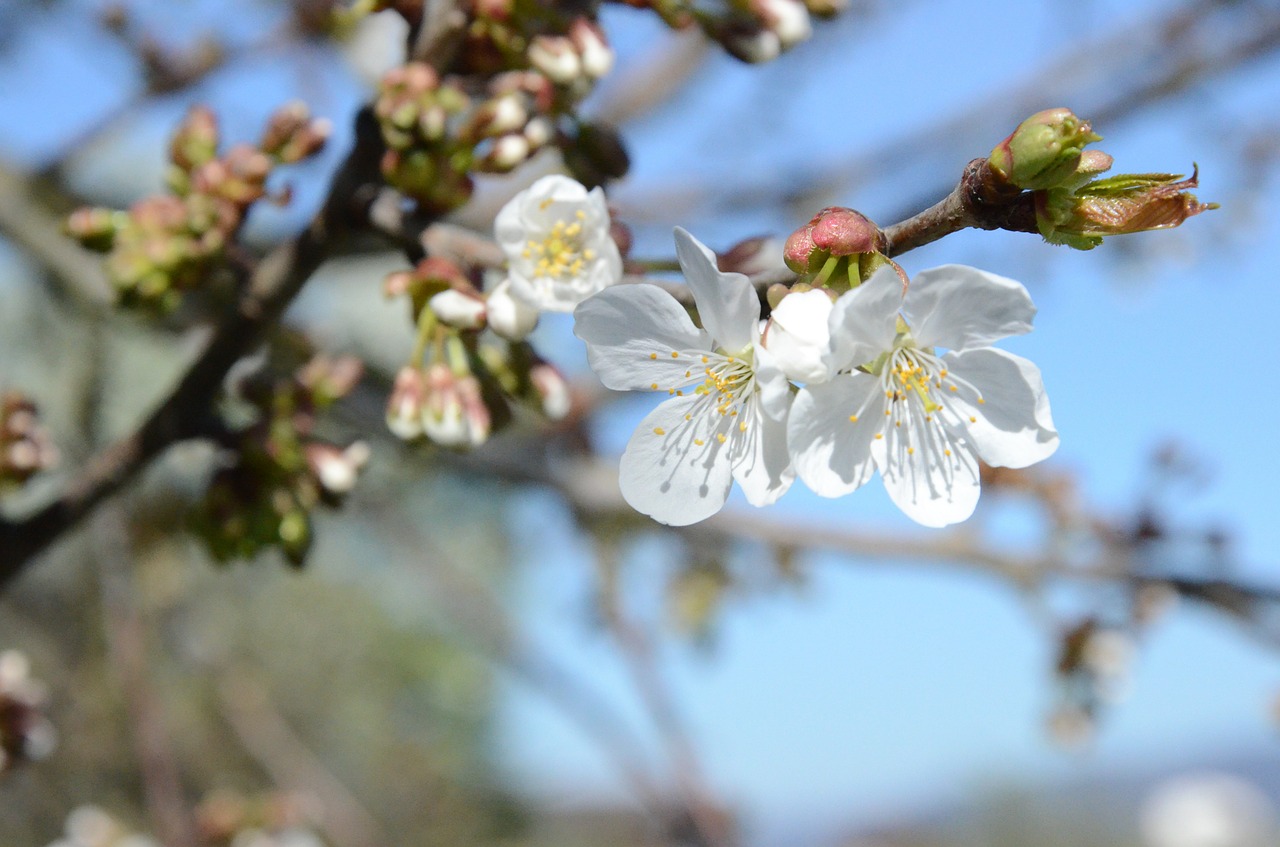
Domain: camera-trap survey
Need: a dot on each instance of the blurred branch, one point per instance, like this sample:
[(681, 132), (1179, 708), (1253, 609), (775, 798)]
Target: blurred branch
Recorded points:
[(266, 736), (706, 818), (29, 224), (126, 633)]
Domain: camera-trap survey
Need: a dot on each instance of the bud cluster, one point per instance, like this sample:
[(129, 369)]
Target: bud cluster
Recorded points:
[(226, 818), (460, 382), (1046, 154), (25, 446), (167, 244), (751, 30), (838, 248), (25, 733), (279, 470)]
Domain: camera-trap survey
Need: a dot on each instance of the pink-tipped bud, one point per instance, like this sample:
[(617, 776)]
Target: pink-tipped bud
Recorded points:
[(406, 404), (555, 57), (195, 142), (833, 231), (335, 469), (593, 48), (552, 391)]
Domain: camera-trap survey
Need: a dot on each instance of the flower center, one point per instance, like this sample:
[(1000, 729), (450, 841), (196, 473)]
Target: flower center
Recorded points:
[(560, 253), (724, 382)]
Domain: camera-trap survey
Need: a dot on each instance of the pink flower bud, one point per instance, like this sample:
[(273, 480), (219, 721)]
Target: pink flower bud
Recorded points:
[(335, 469), (406, 404), (552, 390), (786, 19), (555, 56), (593, 48)]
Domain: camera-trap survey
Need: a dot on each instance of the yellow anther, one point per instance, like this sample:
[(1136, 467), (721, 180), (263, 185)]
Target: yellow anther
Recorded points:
[(742, 425), (887, 413), (545, 203), (972, 419), (705, 360), (879, 435), (675, 355), (946, 452), (699, 441), (654, 386), (981, 401), (580, 215), (911, 451), (720, 436), (952, 388), (688, 374), (657, 430), (653, 355), (853, 419), (671, 391)]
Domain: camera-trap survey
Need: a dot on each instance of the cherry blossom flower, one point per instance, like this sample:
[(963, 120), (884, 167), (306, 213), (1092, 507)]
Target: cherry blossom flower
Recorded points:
[(555, 235), (725, 416), (923, 419)]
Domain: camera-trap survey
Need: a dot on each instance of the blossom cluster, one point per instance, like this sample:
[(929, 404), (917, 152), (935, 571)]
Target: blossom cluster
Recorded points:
[(889, 376)]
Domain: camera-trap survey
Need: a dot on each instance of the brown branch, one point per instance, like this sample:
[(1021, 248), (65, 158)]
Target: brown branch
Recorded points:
[(181, 415)]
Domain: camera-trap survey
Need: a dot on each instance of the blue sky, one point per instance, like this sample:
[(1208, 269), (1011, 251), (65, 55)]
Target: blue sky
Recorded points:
[(880, 689)]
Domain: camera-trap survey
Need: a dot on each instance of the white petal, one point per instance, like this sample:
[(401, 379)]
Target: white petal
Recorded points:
[(759, 455), (727, 304), (799, 334), (666, 474), (631, 332), (775, 391), (511, 317), (1014, 427), (931, 486), (865, 320), (831, 451), (959, 307)]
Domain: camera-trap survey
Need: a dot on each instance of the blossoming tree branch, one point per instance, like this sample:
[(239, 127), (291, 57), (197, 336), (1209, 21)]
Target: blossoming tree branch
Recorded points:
[(828, 362)]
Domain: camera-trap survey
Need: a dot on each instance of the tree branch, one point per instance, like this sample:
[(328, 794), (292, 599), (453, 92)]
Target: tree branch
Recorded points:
[(273, 285)]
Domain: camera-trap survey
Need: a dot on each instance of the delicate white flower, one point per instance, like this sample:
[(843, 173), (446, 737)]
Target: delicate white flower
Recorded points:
[(798, 335), (556, 238), (726, 416), (922, 418), (453, 307)]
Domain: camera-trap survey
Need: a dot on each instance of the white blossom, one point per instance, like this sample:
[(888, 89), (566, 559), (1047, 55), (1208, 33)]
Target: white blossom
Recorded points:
[(923, 419), (725, 416), (555, 235), (511, 318)]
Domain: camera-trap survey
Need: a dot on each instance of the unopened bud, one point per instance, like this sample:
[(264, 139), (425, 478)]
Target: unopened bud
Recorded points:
[(787, 19), (592, 46), (458, 309), (538, 132), (500, 115), (507, 153), (195, 142), (509, 317), (552, 390), (335, 469), (555, 56), (833, 231), (406, 403), (1044, 151), (94, 228)]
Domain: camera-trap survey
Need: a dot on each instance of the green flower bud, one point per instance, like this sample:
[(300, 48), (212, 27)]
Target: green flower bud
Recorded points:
[(1044, 151)]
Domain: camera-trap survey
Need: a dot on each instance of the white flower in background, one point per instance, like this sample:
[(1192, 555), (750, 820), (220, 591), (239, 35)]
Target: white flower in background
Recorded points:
[(922, 418), (555, 235), (725, 418), (511, 318)]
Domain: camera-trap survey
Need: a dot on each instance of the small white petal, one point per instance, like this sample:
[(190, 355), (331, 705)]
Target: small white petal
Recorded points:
[(930, 486), (510, 317), (1013, 428), (727, 304), (759, 455), (830, 431), (799, 334), (458, 310), (959, 307), (631, 332), (864, 321), (674, 470)]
